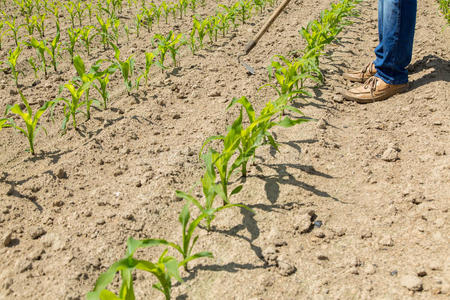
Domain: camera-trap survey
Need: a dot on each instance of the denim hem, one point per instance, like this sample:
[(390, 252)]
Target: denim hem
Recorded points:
[(380, 75)]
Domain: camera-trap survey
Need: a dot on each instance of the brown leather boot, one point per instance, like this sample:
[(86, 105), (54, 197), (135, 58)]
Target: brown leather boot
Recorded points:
[(374, 89), (361, 76)]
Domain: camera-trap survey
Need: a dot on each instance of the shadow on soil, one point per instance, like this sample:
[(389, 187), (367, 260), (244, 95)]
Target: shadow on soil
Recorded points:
[(440, 70), (15, 193)]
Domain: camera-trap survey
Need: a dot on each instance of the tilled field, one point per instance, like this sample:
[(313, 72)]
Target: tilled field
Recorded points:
[(353, 206)]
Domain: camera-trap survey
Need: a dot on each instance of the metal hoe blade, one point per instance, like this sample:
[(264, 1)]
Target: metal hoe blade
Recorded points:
[(249, 69)]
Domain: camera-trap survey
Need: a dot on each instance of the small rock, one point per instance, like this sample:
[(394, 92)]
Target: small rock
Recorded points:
[(100, 222), (37, 233), (176, 116), (338, 99), (386, 240), (6, 239), (23, 266), (270, 254), (370, 269), (214, 94), (354, 271), (366, 234), (435, 265), (411, 282), (61, 174), (322, 124), (322, 257), (319, 234), (58, 203), (285, 267), (390, 155), (128, 217), (303, 223)]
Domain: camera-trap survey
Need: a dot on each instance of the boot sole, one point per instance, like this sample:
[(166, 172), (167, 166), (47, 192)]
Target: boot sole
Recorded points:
[(375, 99)]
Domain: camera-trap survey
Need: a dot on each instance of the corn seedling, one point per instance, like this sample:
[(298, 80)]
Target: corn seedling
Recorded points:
[(40, 47), (74, 35), (12, 63), (164, 270), (79, 10), (86, 80), (86, 37), (72, 104), (71, 10), (33, 66), (149, 61), (230, 14), (30, 130), (39, 24), (126, 68), (165, 44), (257, 133), (244, 9), (54, 50), (104, 30), (29, 24), (138, 22), (14, 29), (289, 76), (211, 189), (200, 27), (222, 160)]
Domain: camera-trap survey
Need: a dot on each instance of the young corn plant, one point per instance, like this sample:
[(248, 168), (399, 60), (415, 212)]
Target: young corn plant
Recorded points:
[(54, 50), (149, 61), (244, 10), (12, 63), (289, 76), (33, 66), (71, 10), (257, 133), (31, 120), (104, 30), (200, 28), (74, 35), (39, 24), (126, 68), (73, 104), (164, 270), (85, 79), (79, 10), (14, 29), (40, 47), (5, 123), (86, 37), (211, 189), (170, 43)]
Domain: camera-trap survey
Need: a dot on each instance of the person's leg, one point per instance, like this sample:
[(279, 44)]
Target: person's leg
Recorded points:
[(379, 48), (397, 19)]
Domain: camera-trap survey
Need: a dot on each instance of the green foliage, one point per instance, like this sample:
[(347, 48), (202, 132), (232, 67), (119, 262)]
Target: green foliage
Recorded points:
[(126, 68), (170, 43), (444, 6), (12, 63), (40, 47), (14, 28), (31, 120), (72, 104), (164, 270), (74, 34), (86, 37)]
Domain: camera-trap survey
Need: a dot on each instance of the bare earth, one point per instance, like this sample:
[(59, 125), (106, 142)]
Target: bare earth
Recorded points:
[(354, 206)]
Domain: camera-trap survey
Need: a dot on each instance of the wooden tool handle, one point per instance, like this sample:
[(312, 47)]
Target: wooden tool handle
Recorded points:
[(266, 26)]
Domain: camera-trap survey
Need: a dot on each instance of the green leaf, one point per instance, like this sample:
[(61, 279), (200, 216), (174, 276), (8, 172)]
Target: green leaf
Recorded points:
[(236, 190)]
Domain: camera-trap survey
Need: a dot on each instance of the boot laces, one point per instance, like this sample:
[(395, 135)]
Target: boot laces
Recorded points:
[(371, 84)]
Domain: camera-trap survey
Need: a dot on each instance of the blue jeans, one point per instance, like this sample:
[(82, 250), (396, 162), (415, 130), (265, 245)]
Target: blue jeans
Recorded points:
[(396, 24)]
